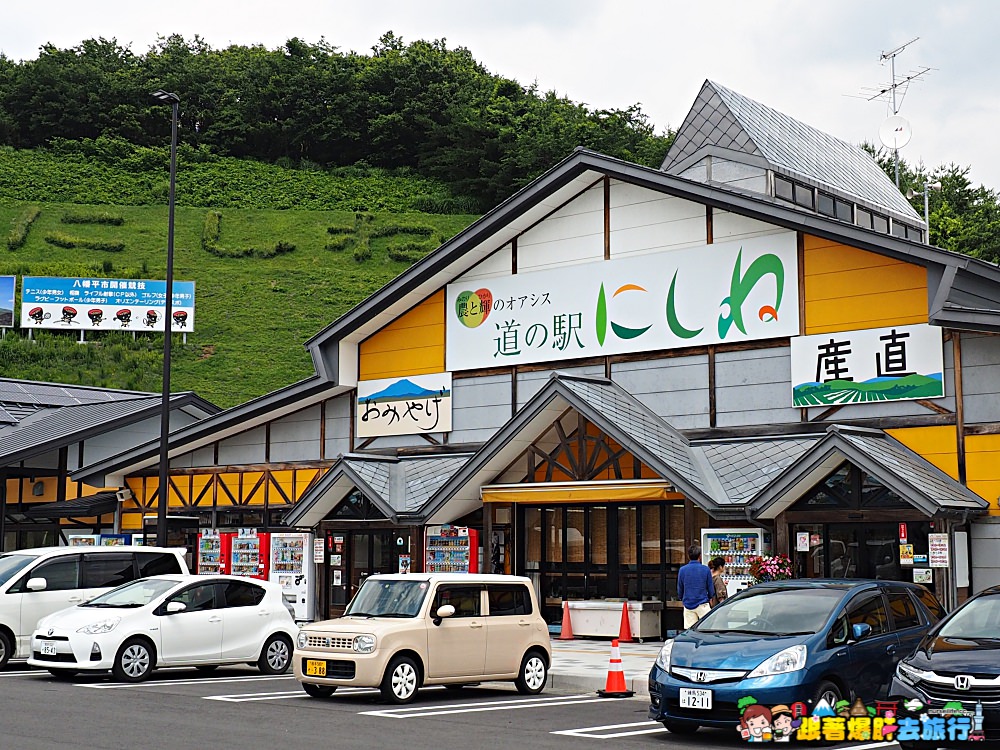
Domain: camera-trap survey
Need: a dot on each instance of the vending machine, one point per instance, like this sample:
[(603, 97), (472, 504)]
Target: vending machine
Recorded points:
[(452, 549), (292, 568), (211, 553), (248, 554), (737, 547)]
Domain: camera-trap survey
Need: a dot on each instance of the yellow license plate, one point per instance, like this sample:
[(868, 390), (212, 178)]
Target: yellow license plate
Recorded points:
[(315, 668)]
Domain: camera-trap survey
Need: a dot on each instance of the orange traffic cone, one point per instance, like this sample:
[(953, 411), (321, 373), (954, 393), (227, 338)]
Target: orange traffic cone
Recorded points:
[(566, 633), (615, 686), (625, 631)]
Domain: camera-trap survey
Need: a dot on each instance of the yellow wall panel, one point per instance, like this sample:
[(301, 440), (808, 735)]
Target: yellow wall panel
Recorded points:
[(848, 289), (938, 445), (413, 344), (982, 468)]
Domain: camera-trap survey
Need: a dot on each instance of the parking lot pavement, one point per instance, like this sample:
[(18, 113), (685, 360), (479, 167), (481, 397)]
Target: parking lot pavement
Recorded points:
[(582, 664)]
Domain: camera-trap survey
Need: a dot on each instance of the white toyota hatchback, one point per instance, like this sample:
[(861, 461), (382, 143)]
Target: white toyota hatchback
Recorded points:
[(166, 621)]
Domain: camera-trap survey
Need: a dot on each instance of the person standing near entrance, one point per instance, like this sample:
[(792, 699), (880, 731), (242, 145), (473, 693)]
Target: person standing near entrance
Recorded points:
[(695, 587), (718, 567)]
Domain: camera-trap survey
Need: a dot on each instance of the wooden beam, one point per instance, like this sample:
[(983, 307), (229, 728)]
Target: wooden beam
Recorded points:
[(709, 226), (933, 407), (827, 413), (607, 217), (711, 387)]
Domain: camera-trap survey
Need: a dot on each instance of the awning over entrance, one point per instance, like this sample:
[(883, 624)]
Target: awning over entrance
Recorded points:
[(572, 492), (103, 503), (906, 473), (393, 486)]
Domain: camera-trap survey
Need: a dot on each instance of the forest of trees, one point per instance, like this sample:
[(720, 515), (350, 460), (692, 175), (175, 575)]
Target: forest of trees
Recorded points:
[(419, 106)]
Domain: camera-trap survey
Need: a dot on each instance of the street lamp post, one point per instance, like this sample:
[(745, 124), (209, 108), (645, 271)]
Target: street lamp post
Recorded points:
[(164, 490), (927, 215)]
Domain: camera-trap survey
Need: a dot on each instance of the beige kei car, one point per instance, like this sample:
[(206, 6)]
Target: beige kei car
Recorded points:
[(401, 632)]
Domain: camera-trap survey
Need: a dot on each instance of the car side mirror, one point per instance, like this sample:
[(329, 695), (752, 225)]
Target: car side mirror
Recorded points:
[(445, 610), (861, 630), (37, 584), (174, 607)]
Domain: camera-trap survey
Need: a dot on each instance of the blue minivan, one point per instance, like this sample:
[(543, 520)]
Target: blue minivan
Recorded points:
[(783, 642)]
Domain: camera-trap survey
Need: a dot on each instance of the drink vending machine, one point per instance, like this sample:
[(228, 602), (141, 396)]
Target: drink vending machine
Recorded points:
[(452, 549), (737, 547), (240, 553), (292, 568)]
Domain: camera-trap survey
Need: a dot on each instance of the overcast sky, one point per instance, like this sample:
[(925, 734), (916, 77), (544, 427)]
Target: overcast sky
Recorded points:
[(812, 60)]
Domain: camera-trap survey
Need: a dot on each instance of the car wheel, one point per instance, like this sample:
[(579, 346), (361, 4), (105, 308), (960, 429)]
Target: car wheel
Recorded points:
[(676, 727), (63, 674), (401, 680), (531, 678), (318, 691), (276, 656), (6, 649), (207, 667), (827, 691), (134, 661)]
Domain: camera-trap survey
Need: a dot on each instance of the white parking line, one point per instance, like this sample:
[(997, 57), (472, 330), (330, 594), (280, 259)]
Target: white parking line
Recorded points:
[(25, 673), (196, 681), (277, 696), (419, 712), (601, 733)]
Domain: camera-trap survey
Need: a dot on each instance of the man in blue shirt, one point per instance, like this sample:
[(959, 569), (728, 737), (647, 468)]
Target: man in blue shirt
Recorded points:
[(694, 587)]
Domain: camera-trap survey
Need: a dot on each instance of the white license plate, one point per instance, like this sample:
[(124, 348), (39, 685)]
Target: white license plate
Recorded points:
[(48, 648), (696, 698)]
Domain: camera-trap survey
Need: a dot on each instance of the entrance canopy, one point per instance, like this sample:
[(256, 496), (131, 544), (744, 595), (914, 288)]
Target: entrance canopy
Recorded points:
[(103, 503), (906, 473)]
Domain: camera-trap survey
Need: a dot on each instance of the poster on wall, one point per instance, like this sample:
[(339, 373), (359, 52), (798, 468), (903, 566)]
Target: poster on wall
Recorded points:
[(923, 575), (901, 363), (7, 301), (404, 406), (725, 292), (104, 304), (906, 554), (938, 552)]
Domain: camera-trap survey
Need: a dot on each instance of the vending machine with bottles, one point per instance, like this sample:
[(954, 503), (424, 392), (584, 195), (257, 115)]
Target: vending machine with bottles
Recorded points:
[(737, 547), (452, 549), (292, 568), (212, 553), (248, 554)]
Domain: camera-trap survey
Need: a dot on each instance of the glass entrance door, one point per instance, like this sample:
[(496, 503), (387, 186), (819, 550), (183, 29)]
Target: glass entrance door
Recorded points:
[(374, 552)]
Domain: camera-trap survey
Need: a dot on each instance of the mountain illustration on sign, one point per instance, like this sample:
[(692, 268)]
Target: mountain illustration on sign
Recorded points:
[(874, 389), (404, 389)]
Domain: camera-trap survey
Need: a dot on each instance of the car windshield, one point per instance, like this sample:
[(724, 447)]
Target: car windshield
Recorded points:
[(978, 619), (794, 611), (135, 594), (388, 598), (10, 565)]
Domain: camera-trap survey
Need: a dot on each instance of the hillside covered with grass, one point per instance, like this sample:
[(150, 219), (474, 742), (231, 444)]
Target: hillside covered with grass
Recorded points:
[(266, 278)]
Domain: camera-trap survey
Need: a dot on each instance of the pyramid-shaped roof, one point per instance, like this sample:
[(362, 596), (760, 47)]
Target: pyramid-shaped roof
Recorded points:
[(726, 122)]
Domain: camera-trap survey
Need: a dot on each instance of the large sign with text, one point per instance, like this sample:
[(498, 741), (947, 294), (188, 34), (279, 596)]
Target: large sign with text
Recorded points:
[(877, 364), (404, 406), (724, 292), (104, 304)]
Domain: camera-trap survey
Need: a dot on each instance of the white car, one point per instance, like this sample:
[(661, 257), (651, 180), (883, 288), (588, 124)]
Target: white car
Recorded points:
[(166, 621)]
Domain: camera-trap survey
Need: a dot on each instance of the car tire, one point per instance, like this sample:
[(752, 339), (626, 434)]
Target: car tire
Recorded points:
[(276, 656), (62, 674), (676, 727), (6, 649), (532, 675), (318, 691), (401, 680), (829, 691), (134, 661), (207, 667)]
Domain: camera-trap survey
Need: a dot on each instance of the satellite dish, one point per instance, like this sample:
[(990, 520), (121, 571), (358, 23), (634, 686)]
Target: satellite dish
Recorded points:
[(895, 132)]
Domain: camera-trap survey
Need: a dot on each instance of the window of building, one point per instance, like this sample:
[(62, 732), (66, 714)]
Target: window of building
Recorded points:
[(898, 229), (844, 210), (783, 188), (803, 195), (825, 204), (864, 218), (880, 223)]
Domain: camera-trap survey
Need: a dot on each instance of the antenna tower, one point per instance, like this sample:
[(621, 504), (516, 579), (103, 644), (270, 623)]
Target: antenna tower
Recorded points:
[(895, 91)]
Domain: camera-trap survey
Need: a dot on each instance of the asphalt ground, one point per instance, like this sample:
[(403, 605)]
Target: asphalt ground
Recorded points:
[(181, 709)]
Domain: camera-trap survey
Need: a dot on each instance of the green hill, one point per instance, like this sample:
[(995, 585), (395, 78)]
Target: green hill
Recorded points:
[(266, 279)]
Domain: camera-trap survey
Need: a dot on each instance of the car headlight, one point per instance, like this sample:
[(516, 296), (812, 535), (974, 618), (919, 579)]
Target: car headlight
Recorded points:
[(303, 639), (663, 658), (792, 659), (364, 644), (909, 675), (102, 626)]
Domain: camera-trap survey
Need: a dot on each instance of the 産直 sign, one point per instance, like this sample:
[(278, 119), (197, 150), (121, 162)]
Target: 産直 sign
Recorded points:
[(105, 304), (877, 364), (724, 292)]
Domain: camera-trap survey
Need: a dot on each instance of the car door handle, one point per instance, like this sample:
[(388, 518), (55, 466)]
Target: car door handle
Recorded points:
[(475, 625), (215, 619), (263, 612), (890, 649), (75, 599), (524, 623)]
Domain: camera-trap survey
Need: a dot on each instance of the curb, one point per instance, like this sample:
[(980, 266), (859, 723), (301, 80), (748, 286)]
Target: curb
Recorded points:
[(587, 684)]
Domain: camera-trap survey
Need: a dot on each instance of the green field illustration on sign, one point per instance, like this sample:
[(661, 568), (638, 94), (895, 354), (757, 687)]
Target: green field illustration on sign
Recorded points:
[(835, 392)]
